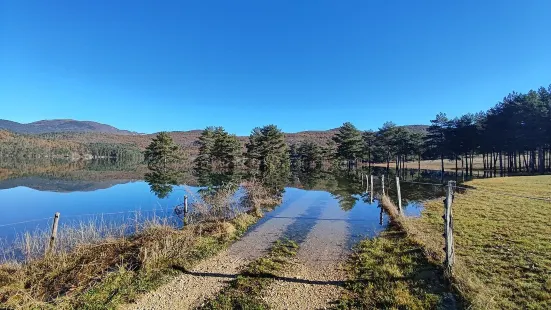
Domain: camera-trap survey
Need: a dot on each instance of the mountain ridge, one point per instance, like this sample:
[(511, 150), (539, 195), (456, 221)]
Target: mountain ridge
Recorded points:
[(59, 133), (61, 125), (53, 126)]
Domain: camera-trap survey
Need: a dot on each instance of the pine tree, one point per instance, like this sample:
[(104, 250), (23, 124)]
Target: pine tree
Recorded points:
[(203, 161), (349, 143), (268, 155), (417, 146), (436, 138), (387, 140), (161, 152), (217, 150), (226, 149), (369, 145), (310, 155)]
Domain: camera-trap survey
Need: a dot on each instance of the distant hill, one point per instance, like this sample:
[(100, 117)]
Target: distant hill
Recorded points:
[(188, 139), (417, 128), (60, 185), (61, 125), (72, 137)]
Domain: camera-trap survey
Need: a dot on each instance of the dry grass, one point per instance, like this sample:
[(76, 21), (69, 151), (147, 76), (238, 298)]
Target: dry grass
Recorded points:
[(215, 204), (4, 173), (449, 165), (98, 268), (32, 245), (87, 256), (62, 279), (258, 197), (503, 243)]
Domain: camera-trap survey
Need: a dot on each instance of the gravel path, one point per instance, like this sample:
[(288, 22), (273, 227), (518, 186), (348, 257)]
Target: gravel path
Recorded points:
[(317, 279), (207, 278)]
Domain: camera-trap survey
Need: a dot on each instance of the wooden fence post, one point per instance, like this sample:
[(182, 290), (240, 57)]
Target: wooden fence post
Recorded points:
[(383, 183), (399, 194), (448, 228), (53, 236), (185, 210), (372, 188)]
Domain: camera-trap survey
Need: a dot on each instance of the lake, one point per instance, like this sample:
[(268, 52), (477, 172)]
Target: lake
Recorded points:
[(32, 193)]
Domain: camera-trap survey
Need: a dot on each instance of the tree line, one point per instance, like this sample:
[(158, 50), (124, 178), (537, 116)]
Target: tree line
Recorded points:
[(265, 156), (513, 136), (221, 156)]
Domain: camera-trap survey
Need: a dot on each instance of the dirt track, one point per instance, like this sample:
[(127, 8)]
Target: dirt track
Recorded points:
[(209, 277), (317, 279)]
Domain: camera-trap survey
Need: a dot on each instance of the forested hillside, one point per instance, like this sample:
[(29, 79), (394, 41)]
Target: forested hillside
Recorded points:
[(16, 145), (78, 139)]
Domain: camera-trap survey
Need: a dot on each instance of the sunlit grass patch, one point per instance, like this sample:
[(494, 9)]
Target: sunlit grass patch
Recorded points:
[(503, 242), (392, 272)]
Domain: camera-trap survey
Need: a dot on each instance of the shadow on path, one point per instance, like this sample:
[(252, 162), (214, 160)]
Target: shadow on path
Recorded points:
[(264, 275)]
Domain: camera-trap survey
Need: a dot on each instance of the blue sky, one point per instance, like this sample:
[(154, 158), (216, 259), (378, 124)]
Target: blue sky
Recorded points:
[(179, 65)]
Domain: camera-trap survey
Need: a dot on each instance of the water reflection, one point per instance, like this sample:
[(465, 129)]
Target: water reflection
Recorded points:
[(161, 181), (59, 175), (102, 187), (214, 178), (343, 185)]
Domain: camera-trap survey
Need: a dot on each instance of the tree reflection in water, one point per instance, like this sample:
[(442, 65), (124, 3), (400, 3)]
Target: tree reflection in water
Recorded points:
[(161, 181)]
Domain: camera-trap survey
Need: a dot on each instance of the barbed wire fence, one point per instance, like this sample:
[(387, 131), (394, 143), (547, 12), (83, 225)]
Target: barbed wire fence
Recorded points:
[(450, 189), (28, 242), (100, 224)]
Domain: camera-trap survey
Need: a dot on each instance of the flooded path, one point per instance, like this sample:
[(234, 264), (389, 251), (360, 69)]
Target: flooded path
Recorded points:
[(314, 219), (318, 273)]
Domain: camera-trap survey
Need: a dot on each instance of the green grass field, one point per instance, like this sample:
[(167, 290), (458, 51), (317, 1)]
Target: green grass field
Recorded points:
[(392, 272), (503, 242)]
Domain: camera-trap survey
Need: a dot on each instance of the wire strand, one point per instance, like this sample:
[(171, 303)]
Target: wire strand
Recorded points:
[(86, 214), (24, 222), (421, 183), (483, 189)]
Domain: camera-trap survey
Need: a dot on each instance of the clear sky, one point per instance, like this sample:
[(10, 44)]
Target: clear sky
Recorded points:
[(179, 65)]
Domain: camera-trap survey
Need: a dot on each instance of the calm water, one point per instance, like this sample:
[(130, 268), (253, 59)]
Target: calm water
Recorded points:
[(28, 199)]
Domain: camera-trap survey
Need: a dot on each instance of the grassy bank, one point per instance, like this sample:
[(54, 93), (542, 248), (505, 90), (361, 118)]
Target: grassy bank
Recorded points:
[(105, 273), (391, 271), (245, 292), (503, 243)]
